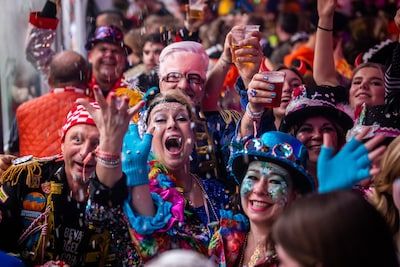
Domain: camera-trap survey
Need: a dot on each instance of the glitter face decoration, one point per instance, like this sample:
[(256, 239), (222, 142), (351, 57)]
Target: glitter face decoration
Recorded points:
[(269, 178)]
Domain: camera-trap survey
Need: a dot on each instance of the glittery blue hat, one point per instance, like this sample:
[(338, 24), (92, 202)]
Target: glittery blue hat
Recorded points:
[(279, 148)]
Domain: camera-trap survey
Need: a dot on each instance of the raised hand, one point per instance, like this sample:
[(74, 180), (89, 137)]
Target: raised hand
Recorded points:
[(135, 153), (248, 55), (112, 119), (326, 8), (352, 164)]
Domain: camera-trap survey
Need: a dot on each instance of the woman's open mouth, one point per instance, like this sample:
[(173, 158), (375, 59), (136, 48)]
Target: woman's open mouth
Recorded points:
[(174, 144)]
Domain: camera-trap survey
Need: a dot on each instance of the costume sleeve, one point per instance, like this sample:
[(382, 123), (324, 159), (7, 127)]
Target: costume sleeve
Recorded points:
[(392, 80), (226, 244), (41, 37), (168, 228), (152, 235), (106, 196), (241, 90), (10, 223)]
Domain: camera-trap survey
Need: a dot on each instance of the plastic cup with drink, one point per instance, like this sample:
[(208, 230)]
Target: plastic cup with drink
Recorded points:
[(196, 9), (276, 79), (239, 34)]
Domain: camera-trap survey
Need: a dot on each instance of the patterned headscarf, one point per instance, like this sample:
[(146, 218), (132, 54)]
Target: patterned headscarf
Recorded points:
[(78, 115)]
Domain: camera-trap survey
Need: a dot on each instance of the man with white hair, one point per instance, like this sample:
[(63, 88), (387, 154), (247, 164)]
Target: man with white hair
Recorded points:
[(183, 66)]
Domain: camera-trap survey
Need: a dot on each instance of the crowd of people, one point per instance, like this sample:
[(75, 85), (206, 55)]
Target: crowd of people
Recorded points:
[(172, 144)]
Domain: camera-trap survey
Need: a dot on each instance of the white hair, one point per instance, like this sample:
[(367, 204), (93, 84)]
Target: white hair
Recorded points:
[(180, 258), (183, 47)]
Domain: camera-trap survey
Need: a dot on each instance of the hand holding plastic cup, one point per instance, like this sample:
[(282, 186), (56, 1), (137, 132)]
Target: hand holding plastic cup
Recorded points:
[(241, 33), (275, 80), (196, 9)]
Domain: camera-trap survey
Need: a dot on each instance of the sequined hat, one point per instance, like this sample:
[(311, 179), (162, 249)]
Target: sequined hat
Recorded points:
[(279, 148), (318, 100), (379, 119), (78, 115), (108, 34)]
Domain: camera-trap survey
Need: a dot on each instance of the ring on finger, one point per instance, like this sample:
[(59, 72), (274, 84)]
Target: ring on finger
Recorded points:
[(253, 92), (270, 87)]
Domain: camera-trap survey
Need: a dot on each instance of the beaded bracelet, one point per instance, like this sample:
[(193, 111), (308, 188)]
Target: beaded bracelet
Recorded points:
[(325, 29), (253, 115), (110, 164)]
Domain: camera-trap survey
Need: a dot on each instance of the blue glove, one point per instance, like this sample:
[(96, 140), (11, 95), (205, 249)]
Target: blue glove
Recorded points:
[(134, 156), (343, 170)]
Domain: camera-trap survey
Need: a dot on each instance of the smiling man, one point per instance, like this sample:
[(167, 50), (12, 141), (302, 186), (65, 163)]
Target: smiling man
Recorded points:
[(108, 57), (45, 212), (107, 52)]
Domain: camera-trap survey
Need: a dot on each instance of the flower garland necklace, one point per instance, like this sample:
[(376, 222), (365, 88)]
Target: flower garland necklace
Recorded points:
[(157, 168)]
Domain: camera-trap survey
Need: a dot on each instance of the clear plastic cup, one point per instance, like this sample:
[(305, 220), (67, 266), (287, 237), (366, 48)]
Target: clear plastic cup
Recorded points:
[(196, 9), (240, 34)]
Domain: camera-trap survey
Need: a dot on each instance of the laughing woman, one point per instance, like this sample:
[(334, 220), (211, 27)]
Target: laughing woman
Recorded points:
[(272, 174), (168, 206)]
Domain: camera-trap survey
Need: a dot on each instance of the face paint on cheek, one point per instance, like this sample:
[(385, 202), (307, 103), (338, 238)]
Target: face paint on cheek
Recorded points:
[(266, 168), (246, 187), (278, 192)]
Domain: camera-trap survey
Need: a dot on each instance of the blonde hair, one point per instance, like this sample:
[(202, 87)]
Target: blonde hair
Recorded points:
[(167, 97), (382, 196)]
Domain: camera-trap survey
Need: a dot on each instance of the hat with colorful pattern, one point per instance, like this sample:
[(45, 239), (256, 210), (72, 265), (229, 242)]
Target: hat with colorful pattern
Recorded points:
[(318, 101)]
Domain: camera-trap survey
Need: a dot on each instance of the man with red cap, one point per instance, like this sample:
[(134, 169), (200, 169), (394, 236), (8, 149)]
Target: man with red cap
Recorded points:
[(51, 208)]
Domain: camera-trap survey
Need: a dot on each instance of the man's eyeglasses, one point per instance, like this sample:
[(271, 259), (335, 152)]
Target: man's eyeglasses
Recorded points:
[(175, 77)]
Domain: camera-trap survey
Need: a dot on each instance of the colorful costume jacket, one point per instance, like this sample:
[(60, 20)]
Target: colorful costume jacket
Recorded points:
[(227, 245), (176, 223), (41, 222)]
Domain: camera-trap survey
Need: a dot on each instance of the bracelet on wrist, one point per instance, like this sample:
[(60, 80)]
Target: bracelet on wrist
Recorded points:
[(324, 29), (253, 115), (109, 164), (108, 160)]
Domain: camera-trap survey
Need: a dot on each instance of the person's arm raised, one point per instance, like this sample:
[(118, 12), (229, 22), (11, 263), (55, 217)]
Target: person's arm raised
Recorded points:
[(135, 153), (112, 120), (324, 72), (216, 77)]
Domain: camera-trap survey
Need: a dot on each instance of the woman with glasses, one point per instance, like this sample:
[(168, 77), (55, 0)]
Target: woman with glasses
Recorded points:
[(272, 174), (169, 207)]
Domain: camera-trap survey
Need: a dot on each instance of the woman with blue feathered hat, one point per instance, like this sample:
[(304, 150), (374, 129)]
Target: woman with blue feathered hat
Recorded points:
[(271, 171)]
